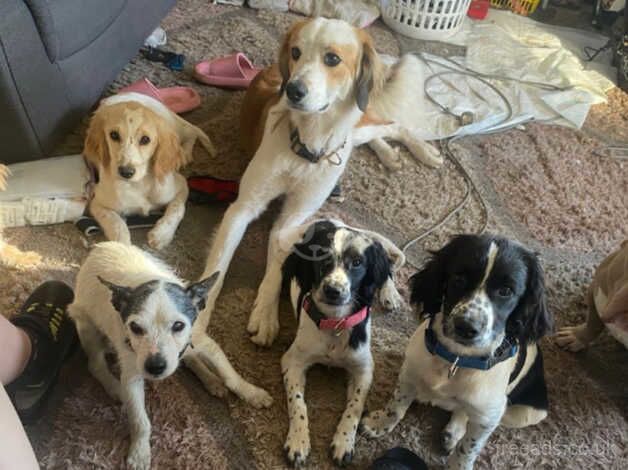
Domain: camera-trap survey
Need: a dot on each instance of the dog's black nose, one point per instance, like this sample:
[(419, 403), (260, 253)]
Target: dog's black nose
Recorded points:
[(465, 329), (331, 292), (296, 91), (126, 171), (155, 364)]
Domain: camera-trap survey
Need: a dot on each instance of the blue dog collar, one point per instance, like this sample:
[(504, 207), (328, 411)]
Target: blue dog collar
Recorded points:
[(505, 351)]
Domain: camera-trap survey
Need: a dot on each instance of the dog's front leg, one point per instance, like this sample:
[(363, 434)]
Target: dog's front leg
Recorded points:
[(344, 440), (112, 224), (209, 351), (294, 368), (133, 397), (163, 232), (424, 152), (383, 421), (478, 432), (264, 319)]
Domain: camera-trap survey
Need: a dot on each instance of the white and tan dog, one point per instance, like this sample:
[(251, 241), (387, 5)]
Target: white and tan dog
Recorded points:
[(137, 146), (607, 299), (301, 119), (132, 304)]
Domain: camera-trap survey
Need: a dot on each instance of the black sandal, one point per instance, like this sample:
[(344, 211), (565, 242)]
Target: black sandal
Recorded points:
[(53, 336)]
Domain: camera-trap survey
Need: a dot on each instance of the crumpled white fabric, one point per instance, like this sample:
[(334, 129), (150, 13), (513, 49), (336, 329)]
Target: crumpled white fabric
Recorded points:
[(359, 13), (514, 46)]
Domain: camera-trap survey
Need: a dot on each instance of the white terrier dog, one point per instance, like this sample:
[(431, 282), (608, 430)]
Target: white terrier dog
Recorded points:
[(131, 303)]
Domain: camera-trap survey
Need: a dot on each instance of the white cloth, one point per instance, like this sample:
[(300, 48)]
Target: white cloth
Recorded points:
[(510, 45)]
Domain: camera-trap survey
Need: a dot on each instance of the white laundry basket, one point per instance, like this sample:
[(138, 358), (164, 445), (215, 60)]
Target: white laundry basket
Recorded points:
[(425, 19)]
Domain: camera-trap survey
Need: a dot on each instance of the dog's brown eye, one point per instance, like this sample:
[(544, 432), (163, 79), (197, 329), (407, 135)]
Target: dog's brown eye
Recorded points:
[(136, 329), (331, 59), (114, 136), (144, 140), (356, 262), (178, 326), (505, 292), (296, 53)]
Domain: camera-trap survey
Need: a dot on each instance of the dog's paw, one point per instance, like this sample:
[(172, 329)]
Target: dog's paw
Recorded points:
[(297, 446), (139, 455), (160, 236), (449, 440), (374, 424), (255, 396), (389, 296), (264, 325), (342, 449), (429, 154), (572, 338)]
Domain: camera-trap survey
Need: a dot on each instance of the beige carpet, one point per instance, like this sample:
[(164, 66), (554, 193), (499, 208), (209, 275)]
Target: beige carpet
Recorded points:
[(546, 186)]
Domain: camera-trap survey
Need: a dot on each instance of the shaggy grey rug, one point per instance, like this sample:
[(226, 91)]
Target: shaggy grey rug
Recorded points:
[(546, 186)]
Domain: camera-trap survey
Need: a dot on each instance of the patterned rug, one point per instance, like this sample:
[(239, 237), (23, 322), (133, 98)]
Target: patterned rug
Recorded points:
[(548, 187)]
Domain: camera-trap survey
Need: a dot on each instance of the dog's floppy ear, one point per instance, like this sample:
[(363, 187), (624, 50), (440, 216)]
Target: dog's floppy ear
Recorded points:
[(95, 148), (199, 290), (120, 295), (313, 247), (169, 155), (427, 287), (531, 319), (369, 75), (378, 263)]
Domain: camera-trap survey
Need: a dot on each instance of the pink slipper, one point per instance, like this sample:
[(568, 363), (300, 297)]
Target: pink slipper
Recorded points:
[(232, 71), (178, 99)]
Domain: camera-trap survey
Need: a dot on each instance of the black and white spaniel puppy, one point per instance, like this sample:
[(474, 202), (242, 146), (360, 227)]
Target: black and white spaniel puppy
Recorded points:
[(476, 355), (333, 273)]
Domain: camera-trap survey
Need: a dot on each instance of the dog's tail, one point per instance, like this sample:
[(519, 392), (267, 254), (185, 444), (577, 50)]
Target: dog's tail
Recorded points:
[(205, 142)]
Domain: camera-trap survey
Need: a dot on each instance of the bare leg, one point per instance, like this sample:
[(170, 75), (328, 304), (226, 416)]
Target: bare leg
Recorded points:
[(576, 338), (163, 232), (16, 351), (112, 224), (344, 439), (15, 448)]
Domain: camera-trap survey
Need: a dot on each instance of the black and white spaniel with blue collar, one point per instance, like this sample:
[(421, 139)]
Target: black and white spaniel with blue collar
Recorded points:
[(333, 273), (476, 355)]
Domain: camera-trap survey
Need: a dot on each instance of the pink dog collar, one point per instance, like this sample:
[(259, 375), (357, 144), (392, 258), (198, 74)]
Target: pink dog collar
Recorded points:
[(324, 323)]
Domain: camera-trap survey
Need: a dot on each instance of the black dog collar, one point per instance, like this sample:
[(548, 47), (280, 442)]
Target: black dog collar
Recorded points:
[(302, 151)]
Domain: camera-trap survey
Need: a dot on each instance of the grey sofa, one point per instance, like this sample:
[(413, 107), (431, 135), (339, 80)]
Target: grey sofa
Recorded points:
[(56, 58)]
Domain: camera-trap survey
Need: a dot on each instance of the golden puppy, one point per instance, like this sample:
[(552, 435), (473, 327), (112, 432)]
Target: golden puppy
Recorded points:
[(137, 146)]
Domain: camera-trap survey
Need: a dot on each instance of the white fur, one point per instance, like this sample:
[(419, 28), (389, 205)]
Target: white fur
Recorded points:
[(115, 197)]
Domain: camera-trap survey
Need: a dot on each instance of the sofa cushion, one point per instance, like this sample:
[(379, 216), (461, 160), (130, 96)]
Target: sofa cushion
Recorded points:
[(67, 26)]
